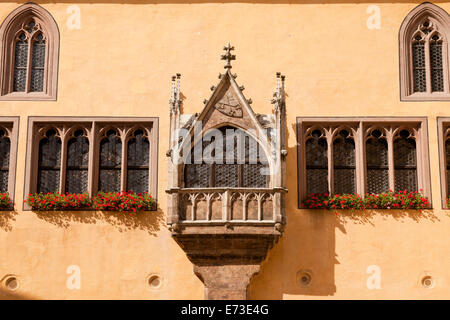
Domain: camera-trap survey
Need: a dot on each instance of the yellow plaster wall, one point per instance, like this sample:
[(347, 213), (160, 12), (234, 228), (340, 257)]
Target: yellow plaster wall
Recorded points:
[(119, 64)]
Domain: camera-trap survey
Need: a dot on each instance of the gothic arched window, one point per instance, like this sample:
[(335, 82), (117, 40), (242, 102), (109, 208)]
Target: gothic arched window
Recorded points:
[(424, 59), (138, 152), (110, 162), (30, 40), (49, 162), (77, 163), (241, 162)]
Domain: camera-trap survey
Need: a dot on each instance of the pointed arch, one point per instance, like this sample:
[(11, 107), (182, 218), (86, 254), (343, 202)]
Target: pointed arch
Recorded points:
[(424, 54), (29, 48)]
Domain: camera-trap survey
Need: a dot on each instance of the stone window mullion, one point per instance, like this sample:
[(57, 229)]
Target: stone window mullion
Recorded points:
[(92, 138), (428, 65), (63, 165), (390, 144), (359, 162), (445, 63), (123, 174), (329, 136), (29, 61)]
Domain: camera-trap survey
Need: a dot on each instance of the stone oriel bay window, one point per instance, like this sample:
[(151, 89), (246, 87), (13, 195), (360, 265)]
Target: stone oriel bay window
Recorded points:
[(9, 127), (444, 157), (424, 54), (226, 208), (77, 154), (29, 54), (362, 155)]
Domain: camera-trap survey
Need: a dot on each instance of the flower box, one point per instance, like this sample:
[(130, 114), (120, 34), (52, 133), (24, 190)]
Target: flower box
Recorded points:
[(389, 200), (123, 201), (104, 201)]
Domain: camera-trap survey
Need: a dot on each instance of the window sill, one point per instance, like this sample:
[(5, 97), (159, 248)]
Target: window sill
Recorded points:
[(31, 96), (427, 97)]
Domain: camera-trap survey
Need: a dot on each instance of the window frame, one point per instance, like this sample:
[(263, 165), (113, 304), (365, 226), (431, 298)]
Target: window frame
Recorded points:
[(407, 29), (8, 30), (13, 124), (443, 123), (97, 126), (361, 124)]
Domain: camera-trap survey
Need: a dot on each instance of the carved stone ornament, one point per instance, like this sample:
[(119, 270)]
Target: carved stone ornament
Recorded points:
[(229, 105)]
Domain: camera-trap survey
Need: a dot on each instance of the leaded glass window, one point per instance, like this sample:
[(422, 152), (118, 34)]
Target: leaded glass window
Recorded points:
[(77, 163), (138, 162), (419, 70), (5, 149), (436, 65), (49, 162), (344, 163), (316, 163), (242, 162), (377, 163), (20, 63), (37, 64), (110, 162), (366, 156), (405, 162), (427, 58), (29, 69)]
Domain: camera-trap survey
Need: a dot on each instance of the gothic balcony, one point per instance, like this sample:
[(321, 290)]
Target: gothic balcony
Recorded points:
[(229, 210)]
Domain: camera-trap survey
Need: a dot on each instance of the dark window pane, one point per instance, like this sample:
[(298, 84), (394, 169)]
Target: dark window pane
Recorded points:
[(377, 165), (418, 52), (238, 166), (316, 164), (405, 163), (110, 163), (77, 164), (5, 147), (49, 163), (437, 72), (344, 163), (37, 64), (20, 64), (138, 163)]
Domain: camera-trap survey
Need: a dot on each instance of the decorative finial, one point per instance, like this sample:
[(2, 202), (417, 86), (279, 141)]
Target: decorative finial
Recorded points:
[(228, 56), (279, 92), (175, 99)]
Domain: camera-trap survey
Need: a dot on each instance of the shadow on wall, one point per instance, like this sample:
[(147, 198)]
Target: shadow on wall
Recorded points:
[(6, 218), (6, 294), (307, 248), (149, 221)]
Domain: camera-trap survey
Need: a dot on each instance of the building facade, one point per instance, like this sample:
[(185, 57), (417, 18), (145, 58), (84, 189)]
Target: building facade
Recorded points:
[(340, 98)]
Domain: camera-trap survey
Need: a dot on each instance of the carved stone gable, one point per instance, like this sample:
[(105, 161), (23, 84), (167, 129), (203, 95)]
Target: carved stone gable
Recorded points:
[(227, 107)]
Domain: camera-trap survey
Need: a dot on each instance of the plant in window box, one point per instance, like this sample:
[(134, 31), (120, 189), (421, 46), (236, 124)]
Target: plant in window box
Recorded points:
[(123, 201), (56, 201), (388, 200), (5, 202), (397, 200)]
